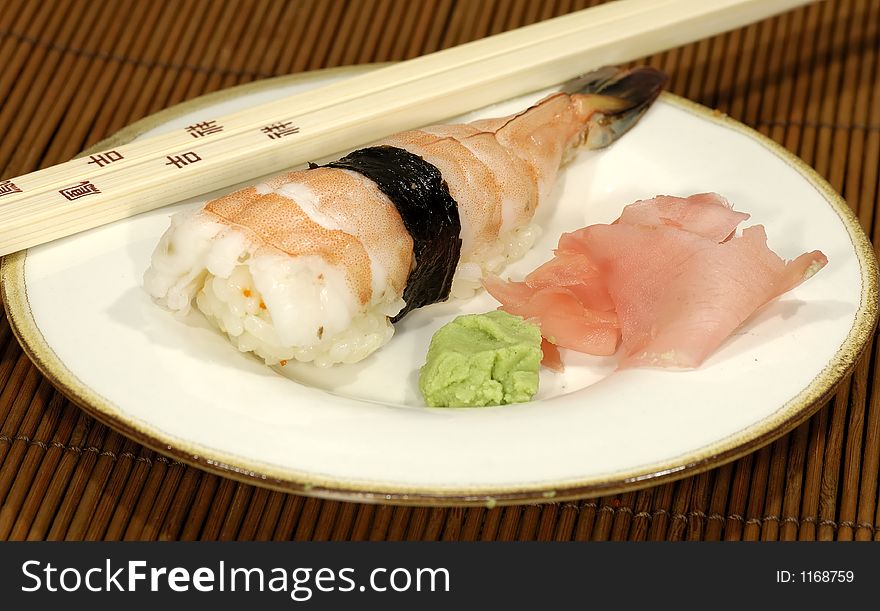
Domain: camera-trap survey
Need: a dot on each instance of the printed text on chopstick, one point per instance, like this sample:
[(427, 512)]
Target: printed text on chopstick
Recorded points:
[(8, 187), (205, 128), (201, 129), (102, 159), (81, 190), (182, 160), (280, 129)]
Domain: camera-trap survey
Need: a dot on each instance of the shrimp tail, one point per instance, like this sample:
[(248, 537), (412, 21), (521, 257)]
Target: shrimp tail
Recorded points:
[(618, 98)]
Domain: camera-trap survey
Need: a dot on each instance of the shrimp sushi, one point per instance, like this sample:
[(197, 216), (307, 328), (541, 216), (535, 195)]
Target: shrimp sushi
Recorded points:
[(317, 264)]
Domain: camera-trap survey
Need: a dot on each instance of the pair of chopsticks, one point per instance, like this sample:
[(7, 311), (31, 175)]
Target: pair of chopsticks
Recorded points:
[(217, 152)]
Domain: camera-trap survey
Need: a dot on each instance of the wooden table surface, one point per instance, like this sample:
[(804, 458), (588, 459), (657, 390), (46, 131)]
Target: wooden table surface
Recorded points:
[(73, 72)]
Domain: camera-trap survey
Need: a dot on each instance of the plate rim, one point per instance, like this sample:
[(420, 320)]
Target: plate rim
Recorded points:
[(788, 416)]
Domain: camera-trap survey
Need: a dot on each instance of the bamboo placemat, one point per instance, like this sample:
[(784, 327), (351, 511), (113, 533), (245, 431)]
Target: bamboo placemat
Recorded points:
[(73, 72)]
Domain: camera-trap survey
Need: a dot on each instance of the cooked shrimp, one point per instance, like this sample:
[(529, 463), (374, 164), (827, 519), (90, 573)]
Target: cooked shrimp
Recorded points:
[(315, 264)]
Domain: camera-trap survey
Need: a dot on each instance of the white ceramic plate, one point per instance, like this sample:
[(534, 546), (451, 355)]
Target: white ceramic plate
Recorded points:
[(361, 432)]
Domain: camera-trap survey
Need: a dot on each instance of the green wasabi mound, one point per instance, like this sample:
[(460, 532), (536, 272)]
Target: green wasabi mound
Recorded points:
[(482, 359)]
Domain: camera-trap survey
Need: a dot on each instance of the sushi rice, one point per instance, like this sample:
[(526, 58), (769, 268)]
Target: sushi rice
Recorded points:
[(249, 292)]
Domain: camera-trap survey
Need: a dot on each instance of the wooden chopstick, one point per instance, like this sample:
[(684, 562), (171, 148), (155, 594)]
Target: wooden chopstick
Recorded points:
[(216, 152)]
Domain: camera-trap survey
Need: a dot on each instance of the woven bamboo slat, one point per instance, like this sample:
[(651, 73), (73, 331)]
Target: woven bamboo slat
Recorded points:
[(809, 79)]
